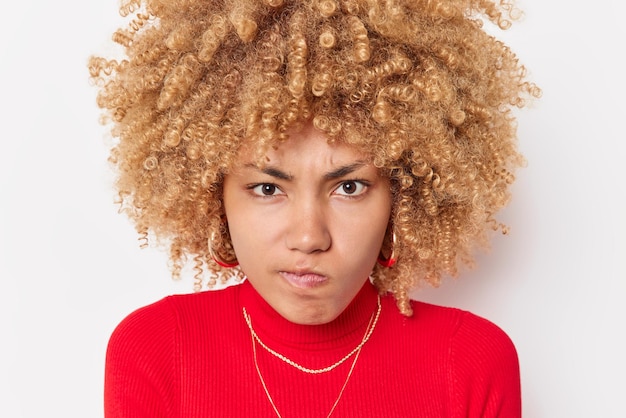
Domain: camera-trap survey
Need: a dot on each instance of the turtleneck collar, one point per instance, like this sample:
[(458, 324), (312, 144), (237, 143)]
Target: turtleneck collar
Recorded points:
[(346, 330)]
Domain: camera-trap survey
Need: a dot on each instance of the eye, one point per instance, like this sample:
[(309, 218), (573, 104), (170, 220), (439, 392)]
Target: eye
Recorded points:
[(351, 188), (266, 189)]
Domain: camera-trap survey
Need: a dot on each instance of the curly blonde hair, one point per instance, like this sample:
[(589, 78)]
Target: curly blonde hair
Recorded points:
[(416, 84)]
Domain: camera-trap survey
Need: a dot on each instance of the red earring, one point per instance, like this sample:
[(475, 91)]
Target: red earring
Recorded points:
[(218, 260), (391, 260)]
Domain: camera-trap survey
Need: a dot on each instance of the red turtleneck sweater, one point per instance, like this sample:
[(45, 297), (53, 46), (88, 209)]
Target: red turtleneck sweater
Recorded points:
[(191, 356)]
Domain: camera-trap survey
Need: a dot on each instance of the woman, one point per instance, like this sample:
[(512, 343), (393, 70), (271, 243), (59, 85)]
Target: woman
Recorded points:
[(332, 155)]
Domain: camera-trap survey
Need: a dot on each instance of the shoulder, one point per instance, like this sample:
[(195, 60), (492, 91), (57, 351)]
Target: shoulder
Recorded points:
[(472, 339), (485, 337), (481, 360), (156, 323), (470, 346), (459, 328), (143, 359)]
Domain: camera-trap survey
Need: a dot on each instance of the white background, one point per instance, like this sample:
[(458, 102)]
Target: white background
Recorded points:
[(70, 267)]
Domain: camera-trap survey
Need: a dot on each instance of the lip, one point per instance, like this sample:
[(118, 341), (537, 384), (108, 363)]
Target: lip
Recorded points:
[(304, 280)]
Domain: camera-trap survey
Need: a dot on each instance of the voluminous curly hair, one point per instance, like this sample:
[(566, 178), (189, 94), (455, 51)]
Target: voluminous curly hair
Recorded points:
[(416, 84)]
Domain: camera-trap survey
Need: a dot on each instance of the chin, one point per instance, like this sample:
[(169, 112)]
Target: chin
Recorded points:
[(315, 315)]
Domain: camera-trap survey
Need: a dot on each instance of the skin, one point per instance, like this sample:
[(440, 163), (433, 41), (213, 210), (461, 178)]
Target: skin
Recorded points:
[(308, 226)]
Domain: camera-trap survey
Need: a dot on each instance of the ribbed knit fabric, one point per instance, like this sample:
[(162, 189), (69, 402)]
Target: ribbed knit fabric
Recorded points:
[(190, 356)]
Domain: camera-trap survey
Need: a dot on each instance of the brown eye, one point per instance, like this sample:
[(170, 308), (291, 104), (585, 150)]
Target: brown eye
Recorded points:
[(351, 188), (266, 189)]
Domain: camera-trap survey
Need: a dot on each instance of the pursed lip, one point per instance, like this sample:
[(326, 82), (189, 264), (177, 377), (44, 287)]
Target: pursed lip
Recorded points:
[(304, 279)]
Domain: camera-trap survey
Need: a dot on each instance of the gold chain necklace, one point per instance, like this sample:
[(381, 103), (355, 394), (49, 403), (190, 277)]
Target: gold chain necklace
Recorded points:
[(368, 333), (254, 338)]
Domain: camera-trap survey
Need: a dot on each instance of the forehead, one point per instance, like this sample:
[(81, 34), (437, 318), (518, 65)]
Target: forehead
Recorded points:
[(306, 146)]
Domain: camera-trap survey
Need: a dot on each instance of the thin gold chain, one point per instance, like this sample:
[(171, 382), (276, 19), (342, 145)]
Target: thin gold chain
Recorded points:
[(254, 338), (368, 333), (269, 397)]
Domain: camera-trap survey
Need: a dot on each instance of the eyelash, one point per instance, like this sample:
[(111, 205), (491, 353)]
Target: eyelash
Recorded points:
[(361, 188)]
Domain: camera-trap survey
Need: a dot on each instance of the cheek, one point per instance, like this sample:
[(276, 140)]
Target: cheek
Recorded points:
[(251, 237), (363, 236), (242, 234)]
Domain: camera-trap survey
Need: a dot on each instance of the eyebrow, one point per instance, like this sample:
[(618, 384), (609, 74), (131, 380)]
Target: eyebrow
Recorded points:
[(344, 171), (271, 171), (331, 175)]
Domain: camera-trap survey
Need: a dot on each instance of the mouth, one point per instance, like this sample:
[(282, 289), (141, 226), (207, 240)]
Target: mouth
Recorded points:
[(304, 280)]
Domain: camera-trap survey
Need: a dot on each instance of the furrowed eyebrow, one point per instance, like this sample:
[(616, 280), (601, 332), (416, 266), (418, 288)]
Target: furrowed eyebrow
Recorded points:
[(332, 175), (344, 171), (273, 172)]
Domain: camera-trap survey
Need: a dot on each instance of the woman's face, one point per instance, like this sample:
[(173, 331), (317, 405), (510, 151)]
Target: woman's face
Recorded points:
[(307, 228)]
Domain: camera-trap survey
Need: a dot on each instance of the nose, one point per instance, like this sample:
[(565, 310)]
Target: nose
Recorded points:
[(308, 230)]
